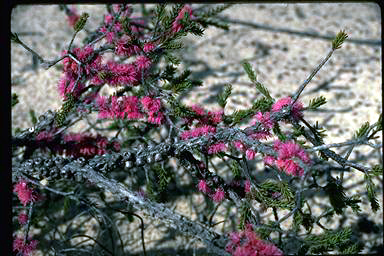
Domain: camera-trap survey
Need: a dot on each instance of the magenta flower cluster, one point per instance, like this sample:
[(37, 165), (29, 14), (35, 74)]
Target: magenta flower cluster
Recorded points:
[(248, 243), (289, 157)]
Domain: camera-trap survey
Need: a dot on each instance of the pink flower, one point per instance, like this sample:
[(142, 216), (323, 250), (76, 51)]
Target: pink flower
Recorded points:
[(25, 194), (204, 130), (110, 36), (177, 26), (142, 63), (289, 153), (118, 27), (239, 145), (248, 243), (108, 19), (217, 116), (45, 136), (148, 47), (23, 218), (219, 195), (156, 118), (269, 160), (264, 119), (198, 110), (296, 108), (250, 154), (217, 147), (150, 104), (103, 30), (247, 186), (203, 187), (25, 249)]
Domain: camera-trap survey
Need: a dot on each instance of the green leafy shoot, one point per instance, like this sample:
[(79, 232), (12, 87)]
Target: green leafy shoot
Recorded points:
[(362, 130), (371, 193), (339, 40), (316, 102), (252, 76), (377, 170), (223, 96), (81, 22), (248, 69)]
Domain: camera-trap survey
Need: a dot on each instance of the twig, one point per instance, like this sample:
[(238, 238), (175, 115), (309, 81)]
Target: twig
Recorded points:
[(314, 72)]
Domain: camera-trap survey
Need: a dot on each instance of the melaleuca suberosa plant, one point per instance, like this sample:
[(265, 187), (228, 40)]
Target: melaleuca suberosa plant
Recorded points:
[(124, 161)]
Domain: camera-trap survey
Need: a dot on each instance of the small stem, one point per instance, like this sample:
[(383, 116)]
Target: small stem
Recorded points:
[(314, 72)]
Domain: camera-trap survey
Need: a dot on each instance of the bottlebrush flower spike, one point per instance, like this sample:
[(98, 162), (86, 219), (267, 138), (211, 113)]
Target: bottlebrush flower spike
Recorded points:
[(217, 147), (248, 243), (177, 26), (203, 187), (239, 145), (142, 63), (219, 195), (264, 119), (296, 108), (288, 153), (25, 249), (25, 194), (204, 130), (23, 218), (250, 154), (148, 47)]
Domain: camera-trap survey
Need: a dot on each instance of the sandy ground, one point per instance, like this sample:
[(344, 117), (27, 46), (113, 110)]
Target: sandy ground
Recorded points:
[(351, 81)]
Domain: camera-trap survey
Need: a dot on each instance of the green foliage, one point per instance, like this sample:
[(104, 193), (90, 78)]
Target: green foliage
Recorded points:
[(235, 168), (277, 131), (81, 22), (334, 189), (370, 186), (245, 215), (329, 241), (62, 114), (171, 58), (262, 105), (362, 130), (377, 170), (304, 219), (339, 40), (248, 69), (317, 102), (353, 202), (180, 83), (284, 197), (33, 117), (223, 96), (173, 45), (319, 131), (252, 76), (150, 191), (163, 175), (179, 109), (14, 99)]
